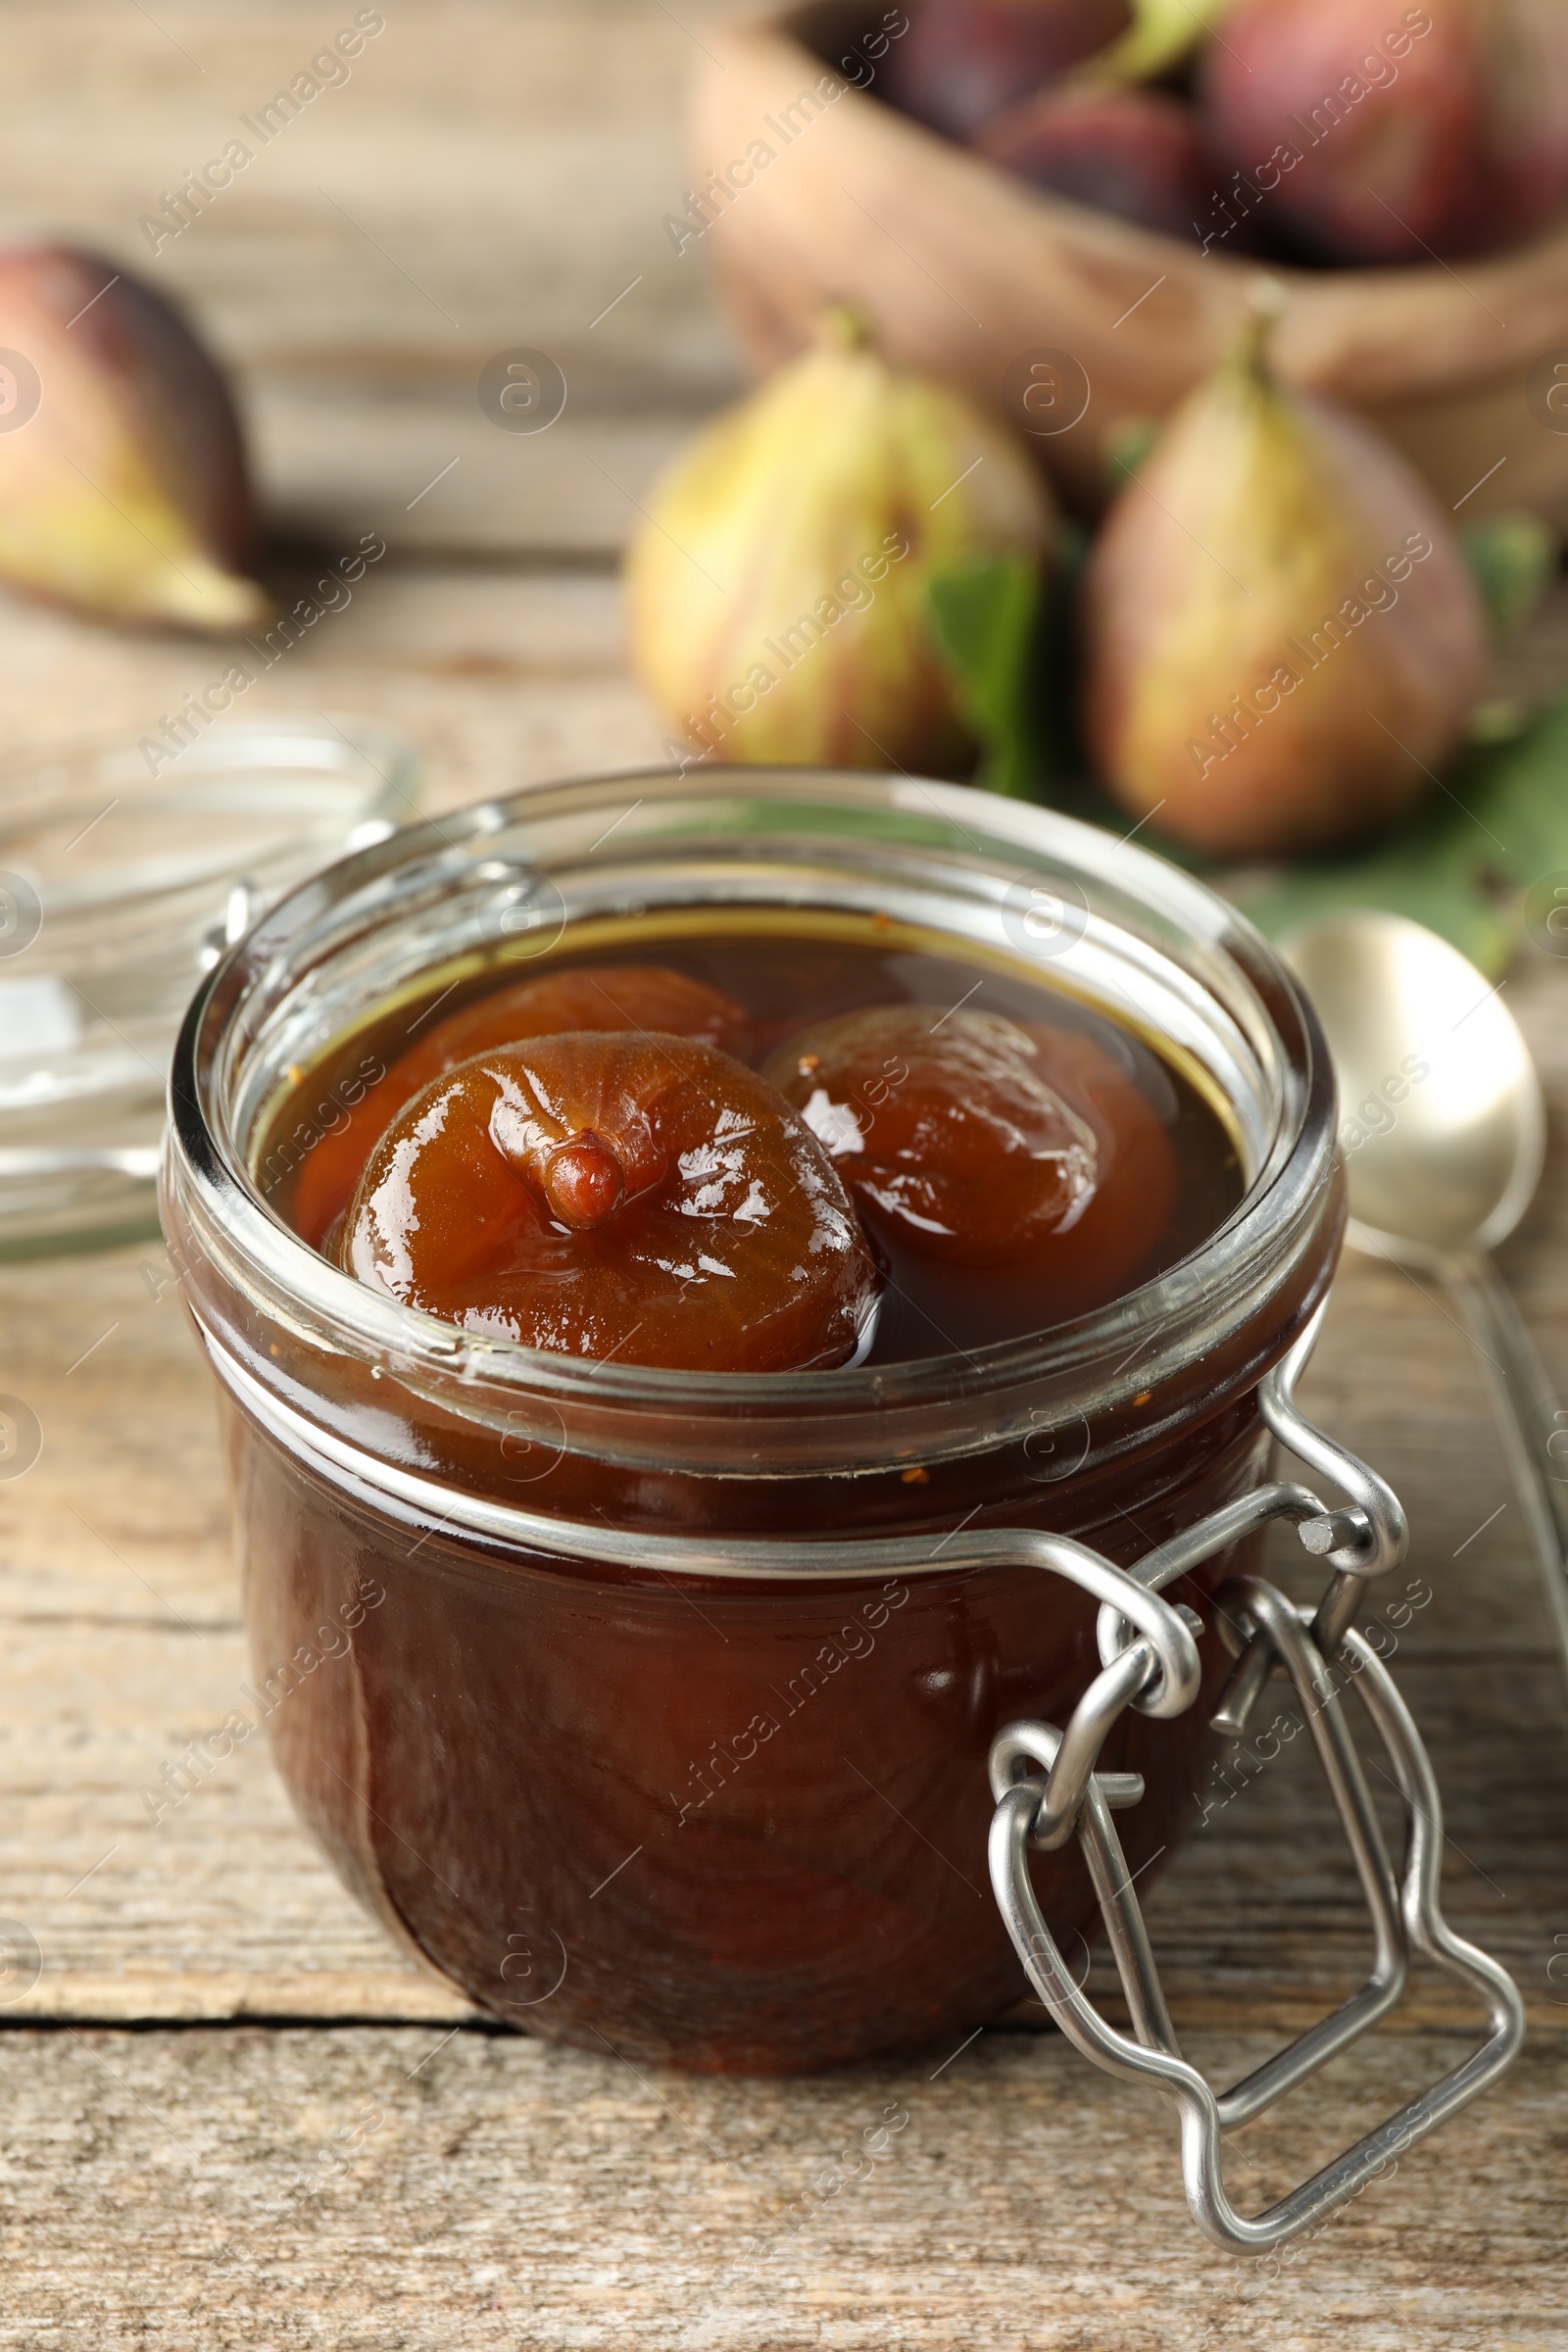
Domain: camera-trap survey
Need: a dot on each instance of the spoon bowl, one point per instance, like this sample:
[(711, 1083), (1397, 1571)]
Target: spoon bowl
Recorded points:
[(1443, 1129), (1441, 1115)]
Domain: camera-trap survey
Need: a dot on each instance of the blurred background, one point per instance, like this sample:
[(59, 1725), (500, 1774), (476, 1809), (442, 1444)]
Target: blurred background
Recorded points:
[(489, 175), (1062, 215)]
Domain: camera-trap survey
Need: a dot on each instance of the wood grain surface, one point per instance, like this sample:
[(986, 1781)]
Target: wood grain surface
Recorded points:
[(229, 2114), (490, 177), (381, 2188)]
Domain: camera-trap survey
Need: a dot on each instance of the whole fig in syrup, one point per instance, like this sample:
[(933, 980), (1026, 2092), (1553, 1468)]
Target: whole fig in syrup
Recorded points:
[(1024, 1155), (607, 996), (633, 1195)]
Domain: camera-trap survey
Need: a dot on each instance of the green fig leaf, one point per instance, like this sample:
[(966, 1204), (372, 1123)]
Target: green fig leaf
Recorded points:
[(1492, 827), (1512, 557), (1461, 861), (984, 616), (1426, 888), (1501, 720), (1129, 445)]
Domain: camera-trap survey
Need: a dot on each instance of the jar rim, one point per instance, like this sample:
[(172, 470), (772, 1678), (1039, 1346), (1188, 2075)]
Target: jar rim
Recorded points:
[(1177, 934)]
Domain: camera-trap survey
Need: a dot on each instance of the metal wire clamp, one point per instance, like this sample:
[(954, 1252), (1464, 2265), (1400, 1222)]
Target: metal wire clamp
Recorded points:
[(1147, 1666)]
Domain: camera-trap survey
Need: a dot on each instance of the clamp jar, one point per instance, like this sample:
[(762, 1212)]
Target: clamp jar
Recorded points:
[(653, 1709)]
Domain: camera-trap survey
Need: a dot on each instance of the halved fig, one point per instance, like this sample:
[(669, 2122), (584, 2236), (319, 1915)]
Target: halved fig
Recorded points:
[(637, 1195), (593, 996)]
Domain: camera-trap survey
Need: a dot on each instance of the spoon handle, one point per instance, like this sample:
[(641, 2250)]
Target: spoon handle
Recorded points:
[(1529, 1418)]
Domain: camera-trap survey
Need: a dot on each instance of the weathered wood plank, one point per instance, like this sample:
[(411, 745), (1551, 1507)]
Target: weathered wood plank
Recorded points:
[(487, 177), (212, 2191), (502, 678)]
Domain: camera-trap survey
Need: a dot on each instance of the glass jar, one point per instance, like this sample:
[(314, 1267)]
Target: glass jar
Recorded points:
[(653, 1709)]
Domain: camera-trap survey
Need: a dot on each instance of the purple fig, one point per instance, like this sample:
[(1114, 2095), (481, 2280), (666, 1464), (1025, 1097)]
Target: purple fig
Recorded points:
[(122, 482), (1383, 136), (1134, 153), (963, 61), (1283, 639)]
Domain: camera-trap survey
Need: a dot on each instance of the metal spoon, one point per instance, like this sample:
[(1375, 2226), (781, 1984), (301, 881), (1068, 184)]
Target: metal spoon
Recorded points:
[(1444, 1133)]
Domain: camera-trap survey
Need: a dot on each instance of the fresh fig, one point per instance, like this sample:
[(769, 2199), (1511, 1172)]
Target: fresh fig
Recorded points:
[(1134, 153), (777, 590), (963, 61), (1283, 639), (122, 482), (1383, 136)]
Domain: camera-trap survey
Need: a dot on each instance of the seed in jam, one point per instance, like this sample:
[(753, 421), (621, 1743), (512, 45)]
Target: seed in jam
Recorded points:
[(637, 1195), (945, 1124), (610, 997)]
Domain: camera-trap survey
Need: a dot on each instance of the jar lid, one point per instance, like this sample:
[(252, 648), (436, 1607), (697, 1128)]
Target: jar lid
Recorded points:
[(117, 888)]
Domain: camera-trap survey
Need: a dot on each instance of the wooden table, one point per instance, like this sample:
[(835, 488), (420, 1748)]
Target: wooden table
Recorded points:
[(229, 2114)]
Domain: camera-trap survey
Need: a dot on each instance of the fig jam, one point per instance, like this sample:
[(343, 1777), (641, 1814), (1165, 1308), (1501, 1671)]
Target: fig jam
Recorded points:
[(1171, 1177), (594, 1754)]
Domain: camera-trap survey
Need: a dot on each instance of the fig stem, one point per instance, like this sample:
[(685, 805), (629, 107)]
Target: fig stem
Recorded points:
[(844, 326), (585, 1182), (1266, 307)]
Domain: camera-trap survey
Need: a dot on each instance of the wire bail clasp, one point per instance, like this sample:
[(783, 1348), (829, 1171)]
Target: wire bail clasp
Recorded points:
[(1067, 1796)]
